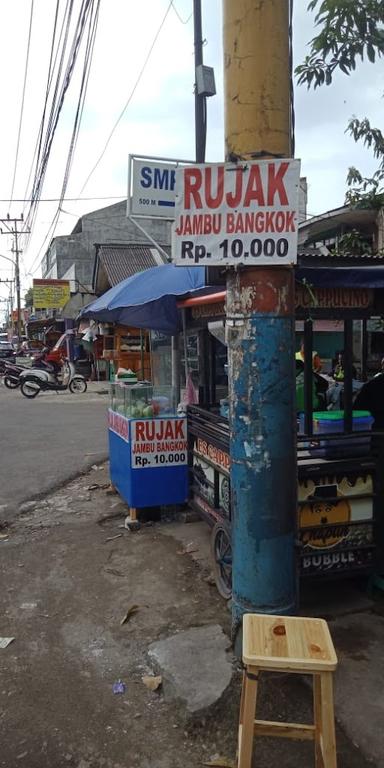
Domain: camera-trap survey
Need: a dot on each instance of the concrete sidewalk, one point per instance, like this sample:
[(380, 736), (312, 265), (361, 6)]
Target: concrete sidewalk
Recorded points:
[(90, 603)]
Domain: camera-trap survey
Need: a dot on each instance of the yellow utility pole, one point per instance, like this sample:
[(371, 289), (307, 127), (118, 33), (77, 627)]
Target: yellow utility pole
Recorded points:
[(260, 321), (257, 77)]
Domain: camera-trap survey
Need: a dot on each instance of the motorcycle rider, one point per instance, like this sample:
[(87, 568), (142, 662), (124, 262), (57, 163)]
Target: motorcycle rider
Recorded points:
[(53, 366)]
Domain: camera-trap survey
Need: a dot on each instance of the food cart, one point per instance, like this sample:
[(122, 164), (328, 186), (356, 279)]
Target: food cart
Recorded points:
[(147, 446), (147, 438), (339, 461)]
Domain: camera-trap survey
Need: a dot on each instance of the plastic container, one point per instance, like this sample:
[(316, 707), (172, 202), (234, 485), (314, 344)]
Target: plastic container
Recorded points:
[(141, 400), (331, 422)]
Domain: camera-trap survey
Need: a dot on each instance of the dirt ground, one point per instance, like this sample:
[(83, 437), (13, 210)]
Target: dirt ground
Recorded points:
[(69, 573)]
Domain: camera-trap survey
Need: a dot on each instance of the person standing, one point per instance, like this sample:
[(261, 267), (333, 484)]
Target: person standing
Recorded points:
[(316, 360)]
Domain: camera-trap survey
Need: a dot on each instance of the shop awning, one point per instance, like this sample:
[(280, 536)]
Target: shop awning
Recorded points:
[(148, 299), (342, 277)]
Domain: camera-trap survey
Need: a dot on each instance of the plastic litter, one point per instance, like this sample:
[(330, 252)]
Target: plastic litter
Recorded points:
[(6, 641), (119, 687)]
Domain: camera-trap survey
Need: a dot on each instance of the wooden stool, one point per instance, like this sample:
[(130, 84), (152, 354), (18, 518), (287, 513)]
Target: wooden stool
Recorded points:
[(288, 644)]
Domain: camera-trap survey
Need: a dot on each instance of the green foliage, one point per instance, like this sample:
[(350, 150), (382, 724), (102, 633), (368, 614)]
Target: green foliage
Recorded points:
[(28, 298), (349, 30), (353, 242)]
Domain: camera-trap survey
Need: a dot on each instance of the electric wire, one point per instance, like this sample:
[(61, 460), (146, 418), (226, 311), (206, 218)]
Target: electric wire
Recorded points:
[(57, 103), (51, 68), (71, 199), (186, 21), (93, 22), (170, 5), (79, 112), (43, 153), (22, 101), (93, 16)]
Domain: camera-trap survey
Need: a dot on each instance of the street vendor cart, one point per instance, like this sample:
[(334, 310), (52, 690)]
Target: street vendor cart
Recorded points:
[(147, 446), (340, 461)]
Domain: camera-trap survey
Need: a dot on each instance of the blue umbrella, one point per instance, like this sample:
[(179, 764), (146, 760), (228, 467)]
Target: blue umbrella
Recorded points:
[(147, 299)]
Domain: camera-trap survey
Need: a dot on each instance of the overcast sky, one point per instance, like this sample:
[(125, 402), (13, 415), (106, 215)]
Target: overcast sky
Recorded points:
[(160, 117)]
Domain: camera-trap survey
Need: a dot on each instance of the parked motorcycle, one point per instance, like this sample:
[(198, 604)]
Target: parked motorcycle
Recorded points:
[(35, 380), (11, 373)]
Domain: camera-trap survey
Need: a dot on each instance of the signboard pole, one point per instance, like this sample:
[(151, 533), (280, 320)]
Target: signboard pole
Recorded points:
[(260, 322)]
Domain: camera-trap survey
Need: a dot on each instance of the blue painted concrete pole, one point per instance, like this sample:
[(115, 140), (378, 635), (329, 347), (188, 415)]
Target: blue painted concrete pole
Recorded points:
[(262, 440), (260, 322)]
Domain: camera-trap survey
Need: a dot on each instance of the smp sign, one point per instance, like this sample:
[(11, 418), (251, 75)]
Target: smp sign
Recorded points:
[(229, 214), (152, 187)]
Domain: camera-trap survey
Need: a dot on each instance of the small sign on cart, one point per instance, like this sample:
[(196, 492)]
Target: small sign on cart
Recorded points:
[(158, 443), (245, 213)]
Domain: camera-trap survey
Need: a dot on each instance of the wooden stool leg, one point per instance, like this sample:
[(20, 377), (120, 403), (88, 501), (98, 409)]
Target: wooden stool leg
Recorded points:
[(247, 718), (328, 740), (319, 763), (242, 700)]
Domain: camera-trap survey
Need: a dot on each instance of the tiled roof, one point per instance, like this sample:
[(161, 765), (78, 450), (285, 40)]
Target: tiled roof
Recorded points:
[(122, 261)]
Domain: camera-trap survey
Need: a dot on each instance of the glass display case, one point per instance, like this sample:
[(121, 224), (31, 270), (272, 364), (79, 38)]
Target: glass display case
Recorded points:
[(142, 400)]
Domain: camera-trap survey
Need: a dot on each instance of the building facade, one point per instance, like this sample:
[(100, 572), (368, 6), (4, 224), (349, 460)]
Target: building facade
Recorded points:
[(72, 256)]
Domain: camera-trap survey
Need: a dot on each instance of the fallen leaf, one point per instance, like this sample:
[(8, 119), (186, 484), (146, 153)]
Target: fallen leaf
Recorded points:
[(186, 551), (220, 762), (130, 612), (114, 572), (153, 682)]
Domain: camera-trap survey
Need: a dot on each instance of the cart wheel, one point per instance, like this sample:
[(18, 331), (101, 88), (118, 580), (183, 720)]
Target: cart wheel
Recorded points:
[(221, 550)]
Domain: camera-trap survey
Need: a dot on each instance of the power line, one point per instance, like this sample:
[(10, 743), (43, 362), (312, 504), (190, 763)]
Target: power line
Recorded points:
[(186, 21), (58, 99), (22, 101), (130, 96), (90, 14), (51, 68), (43, 152), (78, 115), (65, 199)]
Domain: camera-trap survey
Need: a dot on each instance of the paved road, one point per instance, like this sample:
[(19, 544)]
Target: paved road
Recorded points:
[(46, 441)]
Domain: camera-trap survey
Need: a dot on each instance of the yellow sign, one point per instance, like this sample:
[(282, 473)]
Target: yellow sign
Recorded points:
[(331, 507), (50, 294)]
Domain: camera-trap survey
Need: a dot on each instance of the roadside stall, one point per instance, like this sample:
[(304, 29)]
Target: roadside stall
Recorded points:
[(340, 460), (128, 348), (147, 437)]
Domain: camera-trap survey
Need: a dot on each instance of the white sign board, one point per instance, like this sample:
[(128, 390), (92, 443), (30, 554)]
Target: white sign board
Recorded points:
[(229, 214), (158, 443), (153, 188)]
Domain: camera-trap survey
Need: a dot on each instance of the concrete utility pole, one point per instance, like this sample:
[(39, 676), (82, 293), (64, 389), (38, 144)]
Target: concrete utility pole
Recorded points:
[(200, 100), (11, 228), (260, 303)]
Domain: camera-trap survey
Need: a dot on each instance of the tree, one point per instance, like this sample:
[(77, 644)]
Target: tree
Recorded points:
[(349, 30), (28, 297)]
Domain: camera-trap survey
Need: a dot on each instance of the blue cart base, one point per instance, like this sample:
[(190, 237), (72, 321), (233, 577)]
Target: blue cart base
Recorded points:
[(145, 487)]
